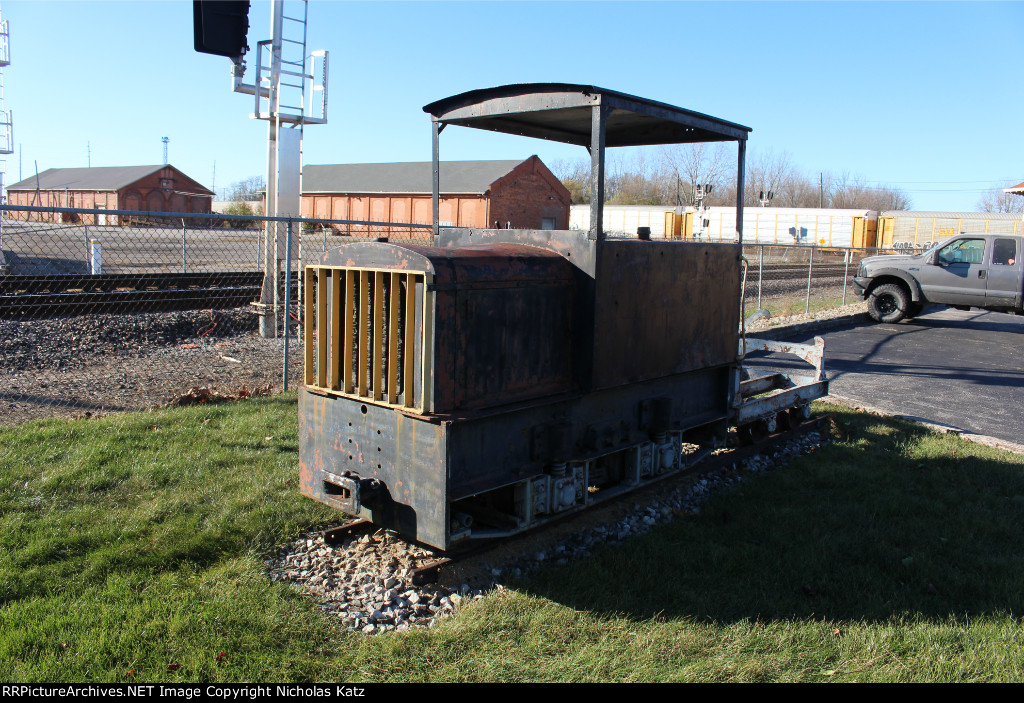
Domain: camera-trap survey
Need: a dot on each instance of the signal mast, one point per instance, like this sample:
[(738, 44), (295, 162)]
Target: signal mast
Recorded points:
[(290, 91)]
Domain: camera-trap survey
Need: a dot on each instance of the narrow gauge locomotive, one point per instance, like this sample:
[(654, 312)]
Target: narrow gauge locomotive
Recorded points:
[(499, 378)]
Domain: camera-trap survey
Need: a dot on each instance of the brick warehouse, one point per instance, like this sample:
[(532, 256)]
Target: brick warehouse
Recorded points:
[(519, 194), (147, 188)]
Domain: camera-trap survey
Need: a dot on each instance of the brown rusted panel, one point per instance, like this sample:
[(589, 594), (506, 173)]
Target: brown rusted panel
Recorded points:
[(577, 250), (503, 316), (512, 343), (663, 308)]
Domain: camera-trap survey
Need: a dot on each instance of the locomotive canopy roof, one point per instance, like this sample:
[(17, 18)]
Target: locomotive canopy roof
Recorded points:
[(562, 112), (587, 116)]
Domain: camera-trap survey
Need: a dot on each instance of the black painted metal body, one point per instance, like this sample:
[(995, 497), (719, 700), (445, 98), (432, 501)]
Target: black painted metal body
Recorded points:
[(549, 349)]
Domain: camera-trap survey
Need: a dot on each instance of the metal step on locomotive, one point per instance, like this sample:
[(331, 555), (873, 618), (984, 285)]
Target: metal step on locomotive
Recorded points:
[(499, 378)]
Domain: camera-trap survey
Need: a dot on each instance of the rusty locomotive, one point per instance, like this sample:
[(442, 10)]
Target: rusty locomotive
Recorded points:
[(498, 378)]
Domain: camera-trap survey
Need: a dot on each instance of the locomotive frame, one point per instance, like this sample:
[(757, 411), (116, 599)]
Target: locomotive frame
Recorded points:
[(499, 378)]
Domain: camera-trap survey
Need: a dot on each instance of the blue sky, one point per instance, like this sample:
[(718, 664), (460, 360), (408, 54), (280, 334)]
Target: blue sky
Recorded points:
[(926, 96)]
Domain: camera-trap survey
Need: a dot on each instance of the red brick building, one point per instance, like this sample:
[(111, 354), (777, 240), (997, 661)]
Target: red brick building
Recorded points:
[(520, 194), (143, 188)]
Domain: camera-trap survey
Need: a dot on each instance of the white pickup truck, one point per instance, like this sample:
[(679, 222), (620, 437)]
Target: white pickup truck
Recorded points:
[(965, 271)]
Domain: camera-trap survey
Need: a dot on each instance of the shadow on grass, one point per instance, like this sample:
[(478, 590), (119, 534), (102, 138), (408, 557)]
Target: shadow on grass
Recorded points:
[(889, 521)]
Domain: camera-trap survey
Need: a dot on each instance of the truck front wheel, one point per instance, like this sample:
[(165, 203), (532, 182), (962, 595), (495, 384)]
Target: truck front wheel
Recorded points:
[(889, 303)]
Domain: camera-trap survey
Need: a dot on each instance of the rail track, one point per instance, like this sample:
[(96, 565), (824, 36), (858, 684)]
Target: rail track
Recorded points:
[(74, 294), (462, 559)]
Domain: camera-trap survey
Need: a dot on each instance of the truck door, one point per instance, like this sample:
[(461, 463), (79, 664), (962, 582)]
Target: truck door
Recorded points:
[(959, 274), (1004, 274)]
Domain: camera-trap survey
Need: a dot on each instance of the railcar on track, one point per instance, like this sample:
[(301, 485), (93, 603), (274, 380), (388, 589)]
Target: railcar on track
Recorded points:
[(499, 378)]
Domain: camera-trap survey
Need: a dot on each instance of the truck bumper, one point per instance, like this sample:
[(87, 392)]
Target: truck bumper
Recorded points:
[(860, 286)]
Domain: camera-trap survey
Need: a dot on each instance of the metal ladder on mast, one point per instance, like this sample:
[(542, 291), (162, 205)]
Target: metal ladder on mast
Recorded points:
[(294, 73)]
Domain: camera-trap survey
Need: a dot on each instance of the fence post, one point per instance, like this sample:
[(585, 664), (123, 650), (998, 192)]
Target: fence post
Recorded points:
[(760, 271), (183, 269), (810, 266), (287, 299), (96, 257), (846, 272), (300, 284)]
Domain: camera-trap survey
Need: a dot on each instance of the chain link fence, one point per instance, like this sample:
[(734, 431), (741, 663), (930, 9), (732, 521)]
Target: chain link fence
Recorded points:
[(109, 311), (795, 280)]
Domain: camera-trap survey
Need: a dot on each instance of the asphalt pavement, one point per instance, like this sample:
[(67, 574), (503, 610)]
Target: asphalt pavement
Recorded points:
[(960, 370)]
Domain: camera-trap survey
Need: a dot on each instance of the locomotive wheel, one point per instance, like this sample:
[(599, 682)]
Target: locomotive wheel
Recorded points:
[(752, 432), (761, 430), (745, 435), (787, 420)]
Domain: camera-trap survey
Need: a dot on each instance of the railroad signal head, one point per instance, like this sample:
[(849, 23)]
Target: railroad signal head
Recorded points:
[(221, 26)]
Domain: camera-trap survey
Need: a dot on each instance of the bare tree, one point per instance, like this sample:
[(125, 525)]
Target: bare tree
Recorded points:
[(844, 191), (688, 165), (890, 198), (673, 177), (249, 189), (574, 175), (634, 182), (770, 172), (996, 200)]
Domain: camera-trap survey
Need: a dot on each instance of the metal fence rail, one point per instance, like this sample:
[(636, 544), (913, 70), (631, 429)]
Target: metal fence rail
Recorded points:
[(793, 279), (153, 309)]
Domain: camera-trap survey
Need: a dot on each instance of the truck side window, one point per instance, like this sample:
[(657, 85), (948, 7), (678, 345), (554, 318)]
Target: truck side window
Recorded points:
[(963, 251), (1004, 252)]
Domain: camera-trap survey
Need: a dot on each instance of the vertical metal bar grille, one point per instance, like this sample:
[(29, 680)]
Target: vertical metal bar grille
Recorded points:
[(369, 335)]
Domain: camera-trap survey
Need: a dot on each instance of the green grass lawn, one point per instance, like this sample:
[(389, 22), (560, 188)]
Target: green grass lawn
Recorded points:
[(132, 548)]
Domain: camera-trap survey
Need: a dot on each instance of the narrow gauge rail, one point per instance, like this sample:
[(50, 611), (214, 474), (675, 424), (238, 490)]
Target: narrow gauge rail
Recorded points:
[(431, 571), (72, 294)]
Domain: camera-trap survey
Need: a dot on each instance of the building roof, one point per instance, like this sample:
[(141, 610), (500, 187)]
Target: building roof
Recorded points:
[(457, 177), (562, 112), (95, 178), (1017, 189)]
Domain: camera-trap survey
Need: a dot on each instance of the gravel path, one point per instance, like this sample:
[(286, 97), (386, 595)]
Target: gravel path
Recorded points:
[(815, 316)]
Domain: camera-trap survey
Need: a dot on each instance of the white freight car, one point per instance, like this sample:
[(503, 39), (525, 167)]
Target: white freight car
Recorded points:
[(624, 220), (910, 230), (824, 227), (803, 226)]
